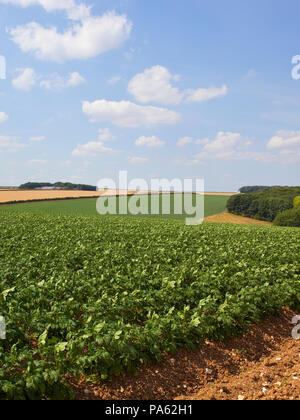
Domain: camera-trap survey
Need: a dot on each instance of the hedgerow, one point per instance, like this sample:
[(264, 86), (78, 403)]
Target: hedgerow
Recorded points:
[(97, 295)]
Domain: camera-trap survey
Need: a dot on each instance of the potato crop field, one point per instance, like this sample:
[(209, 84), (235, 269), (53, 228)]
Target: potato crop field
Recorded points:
[(96, 296)]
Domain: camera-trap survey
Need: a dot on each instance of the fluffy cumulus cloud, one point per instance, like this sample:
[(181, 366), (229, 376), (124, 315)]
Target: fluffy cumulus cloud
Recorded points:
[(226, 145), (25, 80), (286, 144), (155, 85), (128, 114), (95, 148), (201, 95), (57, 82), (285, 140), (105, 134), (91, 36), (92, 149), (74, 10), (3, 117), (282, 148), (152, 141), (75, 79)]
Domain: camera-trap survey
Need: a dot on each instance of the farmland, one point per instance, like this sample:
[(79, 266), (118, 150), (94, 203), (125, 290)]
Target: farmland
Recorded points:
[(90, 295), (213, 204), (11, 195)]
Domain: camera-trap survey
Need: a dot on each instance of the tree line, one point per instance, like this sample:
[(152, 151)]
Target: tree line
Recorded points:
[(265, 203), (57, 185)]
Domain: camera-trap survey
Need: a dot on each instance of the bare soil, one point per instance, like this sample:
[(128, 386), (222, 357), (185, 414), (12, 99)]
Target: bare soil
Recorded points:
[(261, 365), (232, 218)]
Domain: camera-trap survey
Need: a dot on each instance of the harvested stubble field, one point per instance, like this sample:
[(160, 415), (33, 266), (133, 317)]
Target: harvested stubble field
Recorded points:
[(20, 195), (226, 217), (7, 196), (88, 297)]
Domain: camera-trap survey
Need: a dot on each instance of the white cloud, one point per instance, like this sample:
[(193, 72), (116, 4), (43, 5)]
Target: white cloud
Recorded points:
[(233, 146), (137, 160), (200, 95), (105, 135), (287, 146), (226, 145), (3, 117), (54, 82), (94, 35), (155, 85), (128, 114), (93, 149), (37, 139), (190, 140), (285, 140), (202, 141), (223, 143), (113, 80), (185, 140), (26, 79), (57, 82), (153, 141), (75, 11), (75, 79)]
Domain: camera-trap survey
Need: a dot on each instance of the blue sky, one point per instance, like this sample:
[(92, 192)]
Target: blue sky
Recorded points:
[(161, 88)]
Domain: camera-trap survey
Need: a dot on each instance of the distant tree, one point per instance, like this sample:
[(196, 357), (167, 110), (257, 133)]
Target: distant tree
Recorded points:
[(254, 188), (34, 185), (297, 201), (288, 218), (265, 204), (58, 185)]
